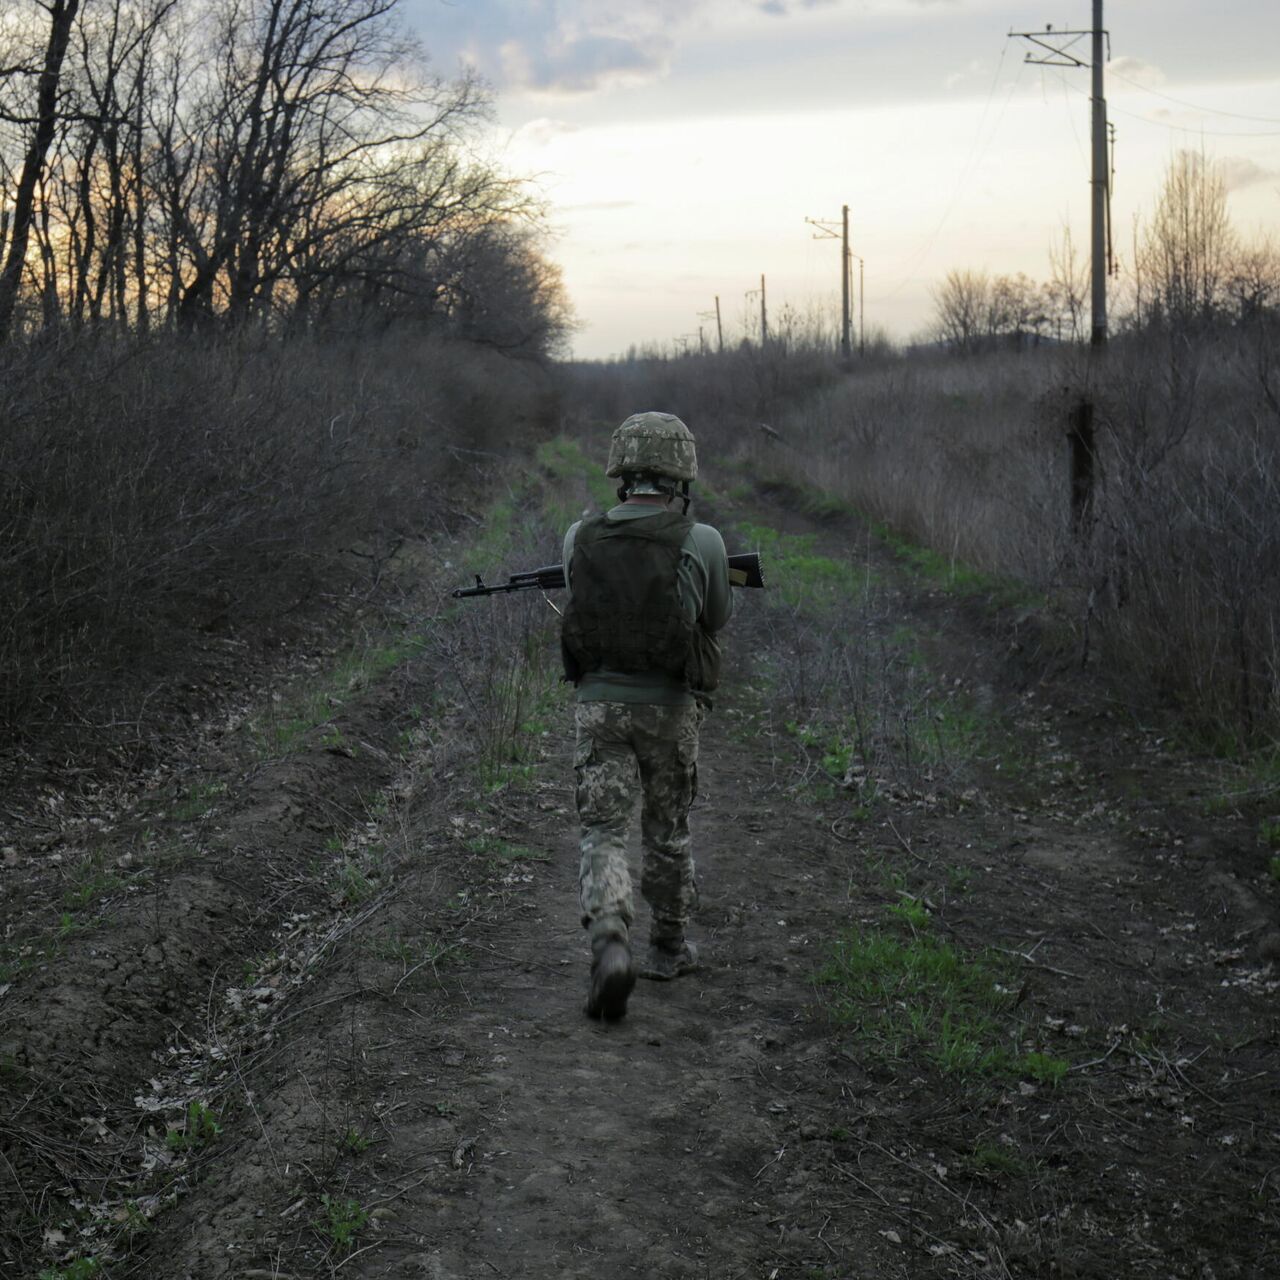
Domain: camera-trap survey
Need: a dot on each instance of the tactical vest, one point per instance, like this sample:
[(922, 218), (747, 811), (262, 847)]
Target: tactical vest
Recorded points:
[(624, 614)]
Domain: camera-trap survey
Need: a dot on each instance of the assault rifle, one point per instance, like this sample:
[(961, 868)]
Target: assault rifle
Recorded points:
[(744, 571)]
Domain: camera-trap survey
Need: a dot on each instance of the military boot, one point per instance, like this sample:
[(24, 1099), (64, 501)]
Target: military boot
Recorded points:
[(669, 958), (612, 977)]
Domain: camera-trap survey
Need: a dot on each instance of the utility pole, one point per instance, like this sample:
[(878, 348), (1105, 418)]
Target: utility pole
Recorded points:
[(1057, 49), (827, 231), (862, 313), (764, 315), (707, 315)]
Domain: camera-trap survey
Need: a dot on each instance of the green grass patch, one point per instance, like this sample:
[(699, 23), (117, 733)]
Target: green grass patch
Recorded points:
[(80, 1269), (88, 881), (313, 702), (996, 1160), (503, 851), (799, 574), (952, 574), (198, 801), (904, 992), (579, 482)]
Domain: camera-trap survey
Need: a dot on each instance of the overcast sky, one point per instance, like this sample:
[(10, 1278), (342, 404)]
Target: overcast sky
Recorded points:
[(682, 143)]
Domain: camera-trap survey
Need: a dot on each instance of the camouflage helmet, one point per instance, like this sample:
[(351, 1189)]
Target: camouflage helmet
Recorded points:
[(654, 443)]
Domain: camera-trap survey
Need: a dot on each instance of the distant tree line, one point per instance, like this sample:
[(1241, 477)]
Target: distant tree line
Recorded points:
[(1189, 271), (187, 163)]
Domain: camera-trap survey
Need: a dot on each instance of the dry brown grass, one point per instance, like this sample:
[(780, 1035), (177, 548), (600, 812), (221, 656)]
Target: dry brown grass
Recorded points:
[(1174, 584)]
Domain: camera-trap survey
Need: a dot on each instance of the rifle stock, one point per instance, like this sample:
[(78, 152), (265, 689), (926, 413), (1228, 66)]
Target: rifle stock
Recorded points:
[(745, 570)]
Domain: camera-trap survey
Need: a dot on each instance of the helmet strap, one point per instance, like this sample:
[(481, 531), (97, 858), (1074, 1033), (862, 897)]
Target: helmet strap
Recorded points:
[(684, 496)]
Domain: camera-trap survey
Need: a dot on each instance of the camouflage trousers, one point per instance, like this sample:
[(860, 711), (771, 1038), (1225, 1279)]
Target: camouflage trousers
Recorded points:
[(629, 752)]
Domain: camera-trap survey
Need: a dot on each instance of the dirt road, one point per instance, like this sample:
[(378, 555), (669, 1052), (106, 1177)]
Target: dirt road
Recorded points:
[(397, 1080)]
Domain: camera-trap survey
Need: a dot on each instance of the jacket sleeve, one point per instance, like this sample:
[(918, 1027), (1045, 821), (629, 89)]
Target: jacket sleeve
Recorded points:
[(717, 604), (567, 554)]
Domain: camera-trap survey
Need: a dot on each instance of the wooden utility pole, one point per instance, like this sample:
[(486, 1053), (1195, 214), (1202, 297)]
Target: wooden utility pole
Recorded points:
[(827, 231), (1057, 51)]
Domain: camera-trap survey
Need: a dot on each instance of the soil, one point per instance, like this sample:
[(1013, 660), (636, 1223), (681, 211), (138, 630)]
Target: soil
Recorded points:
[(369, 967)]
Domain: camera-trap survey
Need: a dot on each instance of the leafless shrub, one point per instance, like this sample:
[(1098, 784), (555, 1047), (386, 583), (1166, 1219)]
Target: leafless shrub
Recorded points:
[(156, 494)]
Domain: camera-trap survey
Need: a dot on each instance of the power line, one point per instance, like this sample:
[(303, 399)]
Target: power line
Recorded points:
[(1182, 102), (970, 166), (1197, 130)]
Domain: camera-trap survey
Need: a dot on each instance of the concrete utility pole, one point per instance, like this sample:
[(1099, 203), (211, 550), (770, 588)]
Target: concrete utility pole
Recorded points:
[(764, 315), (827, 231), (1057, 47), (707, 315), (862, 309)]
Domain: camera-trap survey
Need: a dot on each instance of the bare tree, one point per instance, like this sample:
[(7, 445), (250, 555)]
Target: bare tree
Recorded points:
[(1068, 286), (1186, 249), (963, 303), (43, 123)]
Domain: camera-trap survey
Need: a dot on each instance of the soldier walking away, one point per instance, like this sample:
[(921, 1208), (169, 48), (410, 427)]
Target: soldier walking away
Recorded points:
[(649, 590)]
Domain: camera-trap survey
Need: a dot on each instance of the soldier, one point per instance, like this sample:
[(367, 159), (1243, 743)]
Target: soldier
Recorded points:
[(649, 589)]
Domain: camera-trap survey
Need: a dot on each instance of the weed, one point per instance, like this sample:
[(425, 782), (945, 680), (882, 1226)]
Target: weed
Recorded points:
[(198, 801), (89, 881), (352, 883), (356, 1142), (341, 1221), (1045, 1068), (80, 1269), (200, 1128), (1269, 831), (993, 1158), (502, 851), (959, 879), (912, 911)]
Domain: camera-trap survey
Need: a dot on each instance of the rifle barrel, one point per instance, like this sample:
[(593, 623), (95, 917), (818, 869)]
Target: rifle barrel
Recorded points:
[(745, 570)]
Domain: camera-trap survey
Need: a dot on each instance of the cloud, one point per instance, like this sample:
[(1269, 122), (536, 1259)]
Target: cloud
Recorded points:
[(973, 69), (1146, 74), (583, 63), (1239, 172), (781, 8), (599, 206), (542, 130)]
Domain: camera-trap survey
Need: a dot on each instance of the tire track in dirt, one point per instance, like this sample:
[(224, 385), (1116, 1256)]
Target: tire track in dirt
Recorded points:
[(533, 1142)]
